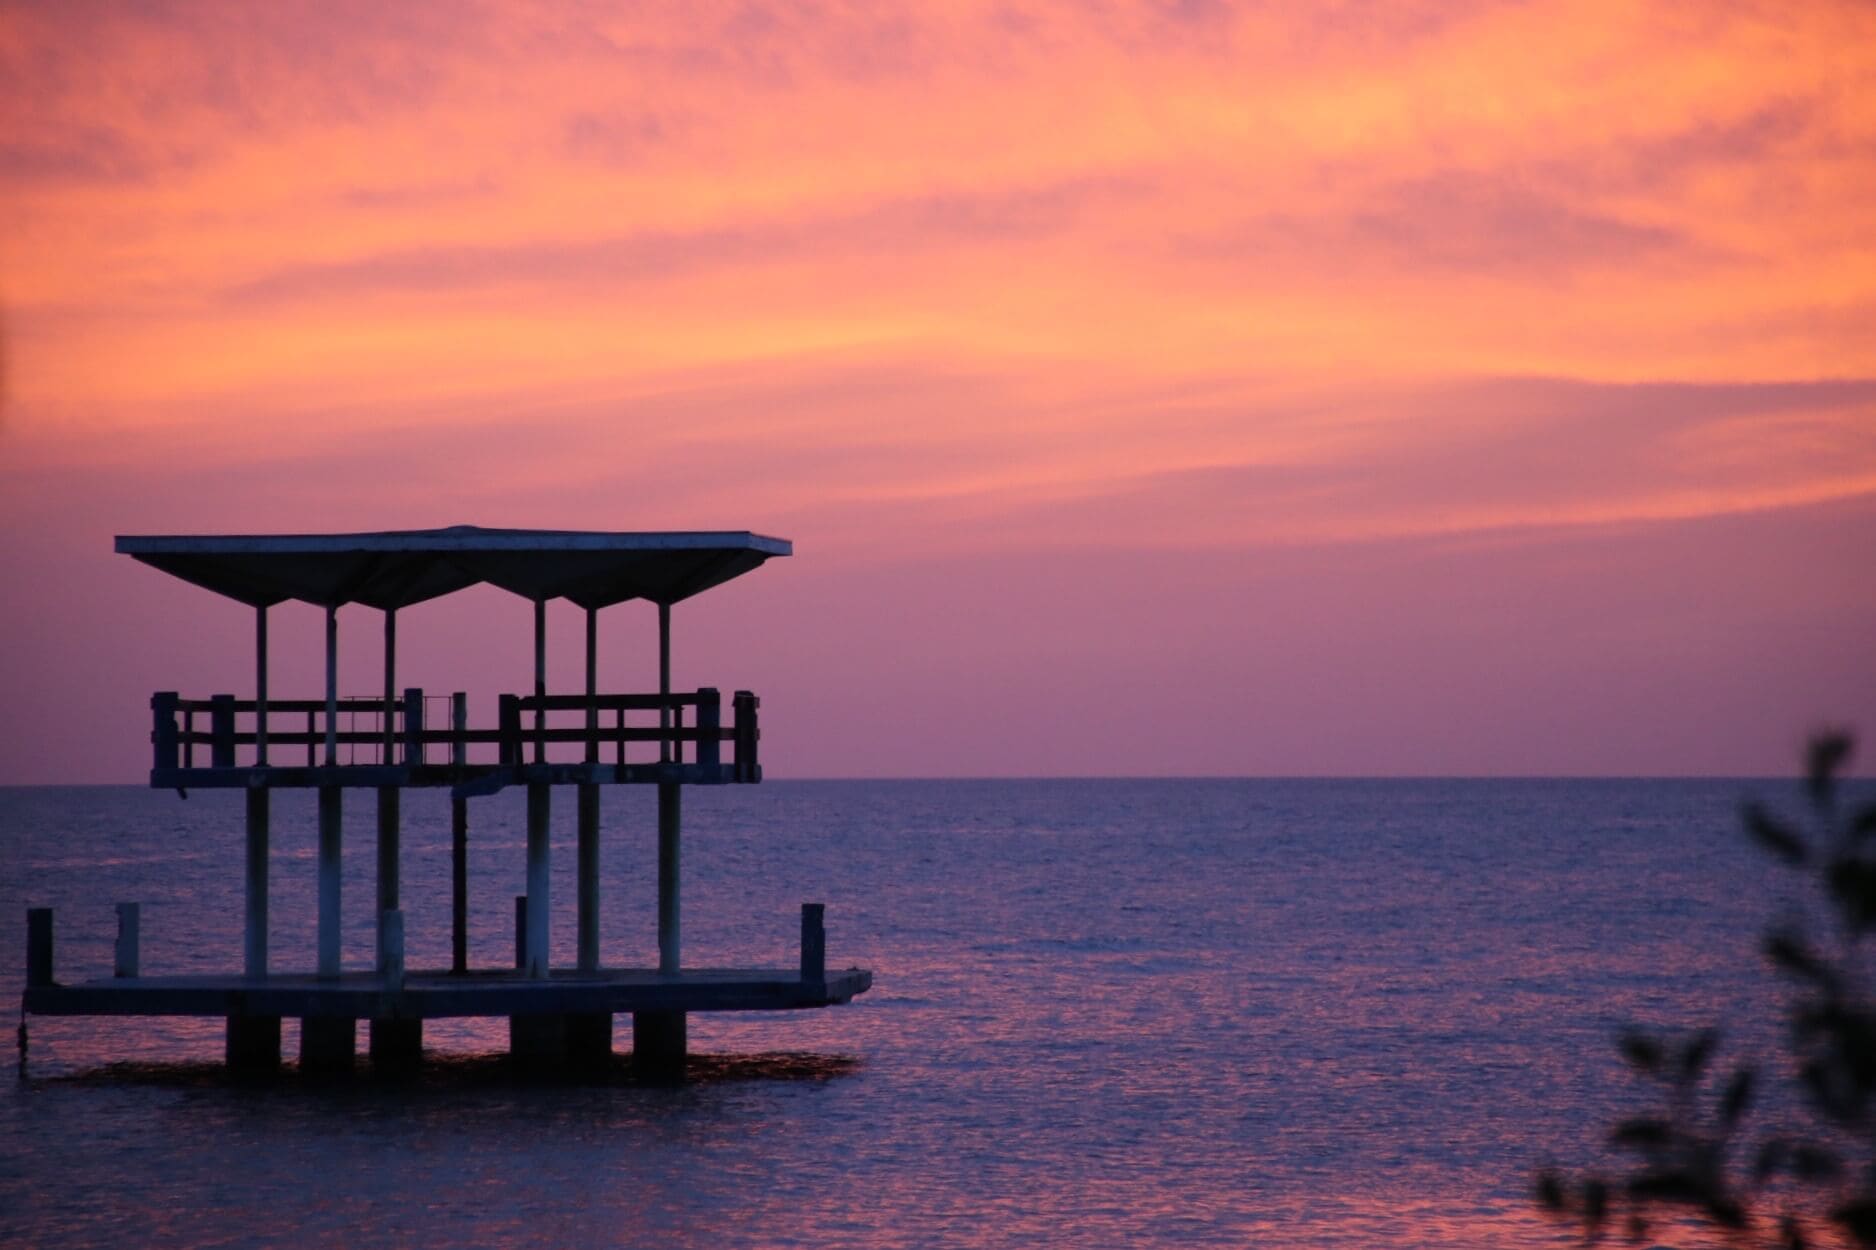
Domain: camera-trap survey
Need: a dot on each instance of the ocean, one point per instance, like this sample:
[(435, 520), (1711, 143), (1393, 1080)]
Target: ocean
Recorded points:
[(1309, 1013)]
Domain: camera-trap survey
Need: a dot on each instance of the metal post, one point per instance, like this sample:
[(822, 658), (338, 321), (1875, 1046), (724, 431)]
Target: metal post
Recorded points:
[(254, 945), (459, 841), (260, 686)]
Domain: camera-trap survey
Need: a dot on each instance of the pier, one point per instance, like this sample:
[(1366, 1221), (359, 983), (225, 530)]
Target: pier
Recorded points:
[(410, 739)]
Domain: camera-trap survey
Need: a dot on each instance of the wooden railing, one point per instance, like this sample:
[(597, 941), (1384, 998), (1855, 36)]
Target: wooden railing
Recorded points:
[(210, 733)]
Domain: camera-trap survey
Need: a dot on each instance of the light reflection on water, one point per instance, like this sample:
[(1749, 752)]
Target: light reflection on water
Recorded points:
[(1109, 1013)]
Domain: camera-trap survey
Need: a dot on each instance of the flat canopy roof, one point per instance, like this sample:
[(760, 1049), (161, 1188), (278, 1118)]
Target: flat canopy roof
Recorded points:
[(396, 568)]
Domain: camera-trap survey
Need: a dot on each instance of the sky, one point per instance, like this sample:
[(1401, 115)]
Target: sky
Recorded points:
[(1166, 388)]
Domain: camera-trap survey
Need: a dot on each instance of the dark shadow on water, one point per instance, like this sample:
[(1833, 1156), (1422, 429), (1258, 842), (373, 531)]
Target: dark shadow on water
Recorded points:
[(451, 1073)]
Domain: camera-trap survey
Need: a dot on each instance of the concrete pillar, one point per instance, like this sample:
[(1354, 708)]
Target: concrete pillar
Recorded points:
[(329, 855), (388, 859), (253, 1043), (254, 938), (538, 1041), (539, 809), (391, 951), (588, 853), (396, 1046), (659, 1040), (328, 1043), (669, 821), (589, 1039), (658, 1037), (396, 1042), (589, 879)]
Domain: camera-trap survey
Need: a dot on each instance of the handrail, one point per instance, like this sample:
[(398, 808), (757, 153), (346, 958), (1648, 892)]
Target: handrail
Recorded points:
[(401, 727)]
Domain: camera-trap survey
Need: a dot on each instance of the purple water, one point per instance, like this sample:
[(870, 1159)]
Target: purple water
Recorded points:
[(1109, 1013)]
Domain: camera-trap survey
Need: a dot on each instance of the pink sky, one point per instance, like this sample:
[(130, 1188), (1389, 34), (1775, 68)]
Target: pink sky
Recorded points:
[(1451, 388)]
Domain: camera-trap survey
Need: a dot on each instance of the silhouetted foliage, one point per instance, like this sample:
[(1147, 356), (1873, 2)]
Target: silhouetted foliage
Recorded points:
[(1696, 1152)]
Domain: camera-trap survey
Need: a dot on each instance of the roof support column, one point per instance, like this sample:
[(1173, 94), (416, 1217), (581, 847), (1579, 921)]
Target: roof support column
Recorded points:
[(664, 679), (588, 853), (329, 794), (540, 677), (332, 685), (260, 686), (254, 945), (669, 816), (389, 835), (539, 809), (329, 856), (459, 841), (540, 799)]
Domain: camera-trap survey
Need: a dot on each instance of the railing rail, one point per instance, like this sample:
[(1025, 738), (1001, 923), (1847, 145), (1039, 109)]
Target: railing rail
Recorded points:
[(374, 728)]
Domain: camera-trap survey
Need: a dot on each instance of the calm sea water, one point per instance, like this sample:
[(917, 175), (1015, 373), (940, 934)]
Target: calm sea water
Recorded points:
[(1107, 1013)]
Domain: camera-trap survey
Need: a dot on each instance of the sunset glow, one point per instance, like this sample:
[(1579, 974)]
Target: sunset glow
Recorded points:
[(1441, 388)]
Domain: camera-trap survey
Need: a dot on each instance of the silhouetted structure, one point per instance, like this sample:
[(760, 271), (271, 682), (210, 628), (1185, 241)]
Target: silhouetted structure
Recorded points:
[(391, 743)]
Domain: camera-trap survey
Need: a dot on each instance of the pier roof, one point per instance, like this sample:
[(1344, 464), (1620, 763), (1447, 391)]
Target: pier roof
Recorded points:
[(395, 568)]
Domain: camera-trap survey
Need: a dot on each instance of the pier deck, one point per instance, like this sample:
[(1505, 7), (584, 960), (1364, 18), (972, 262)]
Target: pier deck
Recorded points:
[(430, 995)]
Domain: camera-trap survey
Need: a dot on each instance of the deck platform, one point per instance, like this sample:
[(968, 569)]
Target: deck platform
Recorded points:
[(431, 995)]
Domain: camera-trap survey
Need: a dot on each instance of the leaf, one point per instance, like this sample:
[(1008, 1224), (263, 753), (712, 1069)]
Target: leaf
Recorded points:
[(1550, 1194), (1642, 1052), (1853, 885), (1595, 1204), (1668, 1187), (1737, 1098), (1791, 1234), (1771, 1158), (1790, 951), (1863, 824), (1814, 1163), (1773, 834), (1698, 1050), (1725, 1212), (1640, 1133), (1859, 1216), (1826, 754)]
